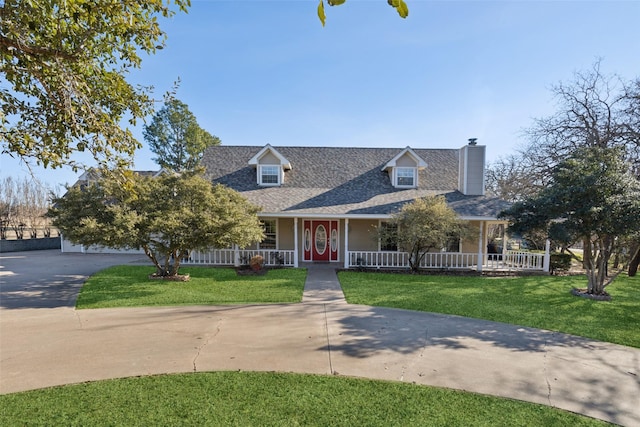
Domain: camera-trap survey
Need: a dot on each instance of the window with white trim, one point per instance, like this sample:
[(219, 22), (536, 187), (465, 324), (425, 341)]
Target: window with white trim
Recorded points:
[(405, 177), (269, 174), (270, 228), (389, 236)]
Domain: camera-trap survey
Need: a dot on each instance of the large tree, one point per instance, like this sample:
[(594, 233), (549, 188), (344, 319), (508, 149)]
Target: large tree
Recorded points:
[(512, 178), (176, 138), (423, 225), (594, 110), (166, 216), (594, 199), (64, 67)]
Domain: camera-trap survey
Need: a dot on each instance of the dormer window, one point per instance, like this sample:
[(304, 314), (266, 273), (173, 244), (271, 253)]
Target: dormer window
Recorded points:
[(403, 169), (269, 174), (270, 166), (405, 177)]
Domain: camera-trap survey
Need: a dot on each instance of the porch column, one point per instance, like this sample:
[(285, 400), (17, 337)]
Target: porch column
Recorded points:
[(481, 247), (346, 243), (295, 242), (505, 239), (546, 263)]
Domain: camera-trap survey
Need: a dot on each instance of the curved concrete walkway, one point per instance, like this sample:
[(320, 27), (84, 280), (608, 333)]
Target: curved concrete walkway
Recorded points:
[(45, 342)]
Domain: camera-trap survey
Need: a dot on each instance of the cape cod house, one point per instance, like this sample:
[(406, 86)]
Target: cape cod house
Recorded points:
[(322, 204)]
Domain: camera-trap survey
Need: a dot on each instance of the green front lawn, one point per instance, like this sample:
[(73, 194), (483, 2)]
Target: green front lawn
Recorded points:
[(269, 399), (536, 301), (129, 286)]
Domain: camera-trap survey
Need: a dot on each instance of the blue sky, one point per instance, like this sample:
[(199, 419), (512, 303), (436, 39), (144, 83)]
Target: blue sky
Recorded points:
[(257, 72)]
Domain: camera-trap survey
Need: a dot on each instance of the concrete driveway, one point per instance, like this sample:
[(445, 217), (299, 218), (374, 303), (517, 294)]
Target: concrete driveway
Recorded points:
[(45, 342), (50, 279)]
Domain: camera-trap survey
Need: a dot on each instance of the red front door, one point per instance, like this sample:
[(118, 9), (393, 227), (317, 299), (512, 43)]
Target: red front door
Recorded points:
[(320, 240)]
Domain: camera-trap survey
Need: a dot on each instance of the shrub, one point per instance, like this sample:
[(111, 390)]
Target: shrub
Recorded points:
[(256, 262), (559, 262)]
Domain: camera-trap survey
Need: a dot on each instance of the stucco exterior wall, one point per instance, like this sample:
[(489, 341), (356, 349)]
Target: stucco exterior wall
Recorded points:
[(286, 234), (470, 244), (360, 235)]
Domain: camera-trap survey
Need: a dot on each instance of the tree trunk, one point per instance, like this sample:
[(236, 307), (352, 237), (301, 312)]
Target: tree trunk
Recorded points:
[(635, 259), (149, 253), (413, 261), (596, 262)]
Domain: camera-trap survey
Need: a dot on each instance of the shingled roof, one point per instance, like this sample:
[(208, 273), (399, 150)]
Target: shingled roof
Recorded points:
[(341, 181)]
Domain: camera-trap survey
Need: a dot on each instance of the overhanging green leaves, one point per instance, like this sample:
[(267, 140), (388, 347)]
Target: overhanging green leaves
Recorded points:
[(65, 66)]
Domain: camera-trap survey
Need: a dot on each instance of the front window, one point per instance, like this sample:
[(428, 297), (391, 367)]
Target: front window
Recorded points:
[(270, 234), (453, 244), (388, 237), (405, 177), (269, 175)]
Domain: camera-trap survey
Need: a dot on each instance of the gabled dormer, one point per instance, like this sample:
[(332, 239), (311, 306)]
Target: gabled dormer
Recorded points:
[(270, 166), (403, 169)]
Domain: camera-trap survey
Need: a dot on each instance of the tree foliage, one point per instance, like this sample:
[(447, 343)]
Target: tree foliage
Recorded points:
[(399, 5), (63, 68), (176, 138), (593, 198), (594, 110), (166, 216), (423, 225)]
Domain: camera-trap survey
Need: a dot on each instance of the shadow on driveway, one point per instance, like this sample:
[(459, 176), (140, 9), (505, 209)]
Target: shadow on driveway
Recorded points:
[(50, 279)]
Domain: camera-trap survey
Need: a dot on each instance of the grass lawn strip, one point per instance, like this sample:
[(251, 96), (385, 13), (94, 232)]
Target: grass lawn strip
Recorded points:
[(129, 286), (270, 399), (535, 301)]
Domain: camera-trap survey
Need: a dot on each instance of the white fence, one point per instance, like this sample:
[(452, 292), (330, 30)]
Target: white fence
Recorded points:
[(239, 257), (511, 261)]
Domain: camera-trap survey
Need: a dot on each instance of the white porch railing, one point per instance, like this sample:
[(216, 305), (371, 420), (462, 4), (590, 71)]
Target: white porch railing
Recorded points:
[(238, 257), (517, 261), (511, 261)]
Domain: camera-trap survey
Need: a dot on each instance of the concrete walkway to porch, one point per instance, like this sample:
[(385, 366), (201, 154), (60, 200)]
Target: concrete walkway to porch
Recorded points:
[(322, 284)]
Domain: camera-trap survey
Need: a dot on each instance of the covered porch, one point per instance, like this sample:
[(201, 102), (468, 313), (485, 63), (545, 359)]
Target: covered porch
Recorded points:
[(348, 244)]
